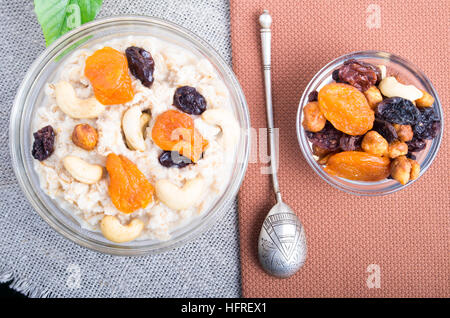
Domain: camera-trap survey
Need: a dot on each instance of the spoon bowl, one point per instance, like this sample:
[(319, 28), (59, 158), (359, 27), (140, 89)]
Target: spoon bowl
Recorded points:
[(282, 242)]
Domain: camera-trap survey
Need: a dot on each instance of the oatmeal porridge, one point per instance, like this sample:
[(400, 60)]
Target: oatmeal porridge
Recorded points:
[(137, 136)]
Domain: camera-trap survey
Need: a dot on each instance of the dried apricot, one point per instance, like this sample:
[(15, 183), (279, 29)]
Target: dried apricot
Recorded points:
[(358, 165), (346, 108), (107, 70), (129, 189), (175, 131), (121, 94)]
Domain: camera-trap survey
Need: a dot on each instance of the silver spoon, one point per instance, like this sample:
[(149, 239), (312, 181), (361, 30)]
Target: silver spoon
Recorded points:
[(282, 241)]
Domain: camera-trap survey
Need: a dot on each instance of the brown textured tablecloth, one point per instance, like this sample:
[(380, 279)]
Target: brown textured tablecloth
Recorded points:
[(407, 233)]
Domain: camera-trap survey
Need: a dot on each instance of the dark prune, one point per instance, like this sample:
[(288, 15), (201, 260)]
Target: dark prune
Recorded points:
[(411, 156), (188, 100), (398, 110), (385, 129), (350, 143), (416, 144), (312, 97), (328, 138), (44, 140), (428, 125), (359, 74), (141, 64), (335, 75), (173, 159)]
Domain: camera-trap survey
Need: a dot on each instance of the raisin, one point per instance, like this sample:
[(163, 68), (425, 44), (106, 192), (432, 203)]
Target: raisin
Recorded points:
[(141, 64), (385, 129), (416, 144), (44, 140), (359, 74), (335, 75), (328, 138), (312, 97), (173, 159), (398, 110), (436, 126), (188, 100), (350, 143), (428, 125)]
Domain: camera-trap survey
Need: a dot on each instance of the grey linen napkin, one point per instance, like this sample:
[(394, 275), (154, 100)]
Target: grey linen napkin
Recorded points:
[(38, 261)]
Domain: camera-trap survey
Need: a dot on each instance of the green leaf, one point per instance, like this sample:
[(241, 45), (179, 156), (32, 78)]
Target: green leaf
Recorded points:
[(57, 17)]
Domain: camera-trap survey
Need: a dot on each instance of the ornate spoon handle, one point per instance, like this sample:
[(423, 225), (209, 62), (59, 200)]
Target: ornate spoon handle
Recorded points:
[(265, 20)]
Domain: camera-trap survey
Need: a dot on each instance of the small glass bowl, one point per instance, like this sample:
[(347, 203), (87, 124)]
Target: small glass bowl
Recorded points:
[(409, 74), (31, 93)]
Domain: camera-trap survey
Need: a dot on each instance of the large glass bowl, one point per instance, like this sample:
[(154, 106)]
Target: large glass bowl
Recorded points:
[(31, 93), (409, 74)]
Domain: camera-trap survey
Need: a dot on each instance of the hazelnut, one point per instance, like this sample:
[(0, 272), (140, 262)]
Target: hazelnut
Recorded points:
[(374, 143), (319, 151), (85, 136), (404, 132), (323, 160), (415, 169), (373, 96), (397, 148), (313, 119), (425, 101), (401, 169)]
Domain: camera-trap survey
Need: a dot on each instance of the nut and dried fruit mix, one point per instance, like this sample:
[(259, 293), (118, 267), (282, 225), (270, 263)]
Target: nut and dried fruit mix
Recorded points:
[(127, 137), (367, 126)]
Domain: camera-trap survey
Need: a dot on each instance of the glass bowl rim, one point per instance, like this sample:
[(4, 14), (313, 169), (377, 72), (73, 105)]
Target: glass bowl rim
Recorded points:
[(305, 149), (17, 160)]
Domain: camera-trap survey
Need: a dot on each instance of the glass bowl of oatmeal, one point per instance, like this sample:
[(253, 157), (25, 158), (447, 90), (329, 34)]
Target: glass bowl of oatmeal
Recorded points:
[(396, 133), (105, 130)]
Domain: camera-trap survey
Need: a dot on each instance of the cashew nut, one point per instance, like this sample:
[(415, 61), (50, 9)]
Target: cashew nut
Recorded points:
[(114, 231), (75, 107), (82, 171), (226, 121), (144, 120), (383, 70), (390, 87), (179, 198), (133, 124)]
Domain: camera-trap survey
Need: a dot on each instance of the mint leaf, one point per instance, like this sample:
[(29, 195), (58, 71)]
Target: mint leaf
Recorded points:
[(57, 17)]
